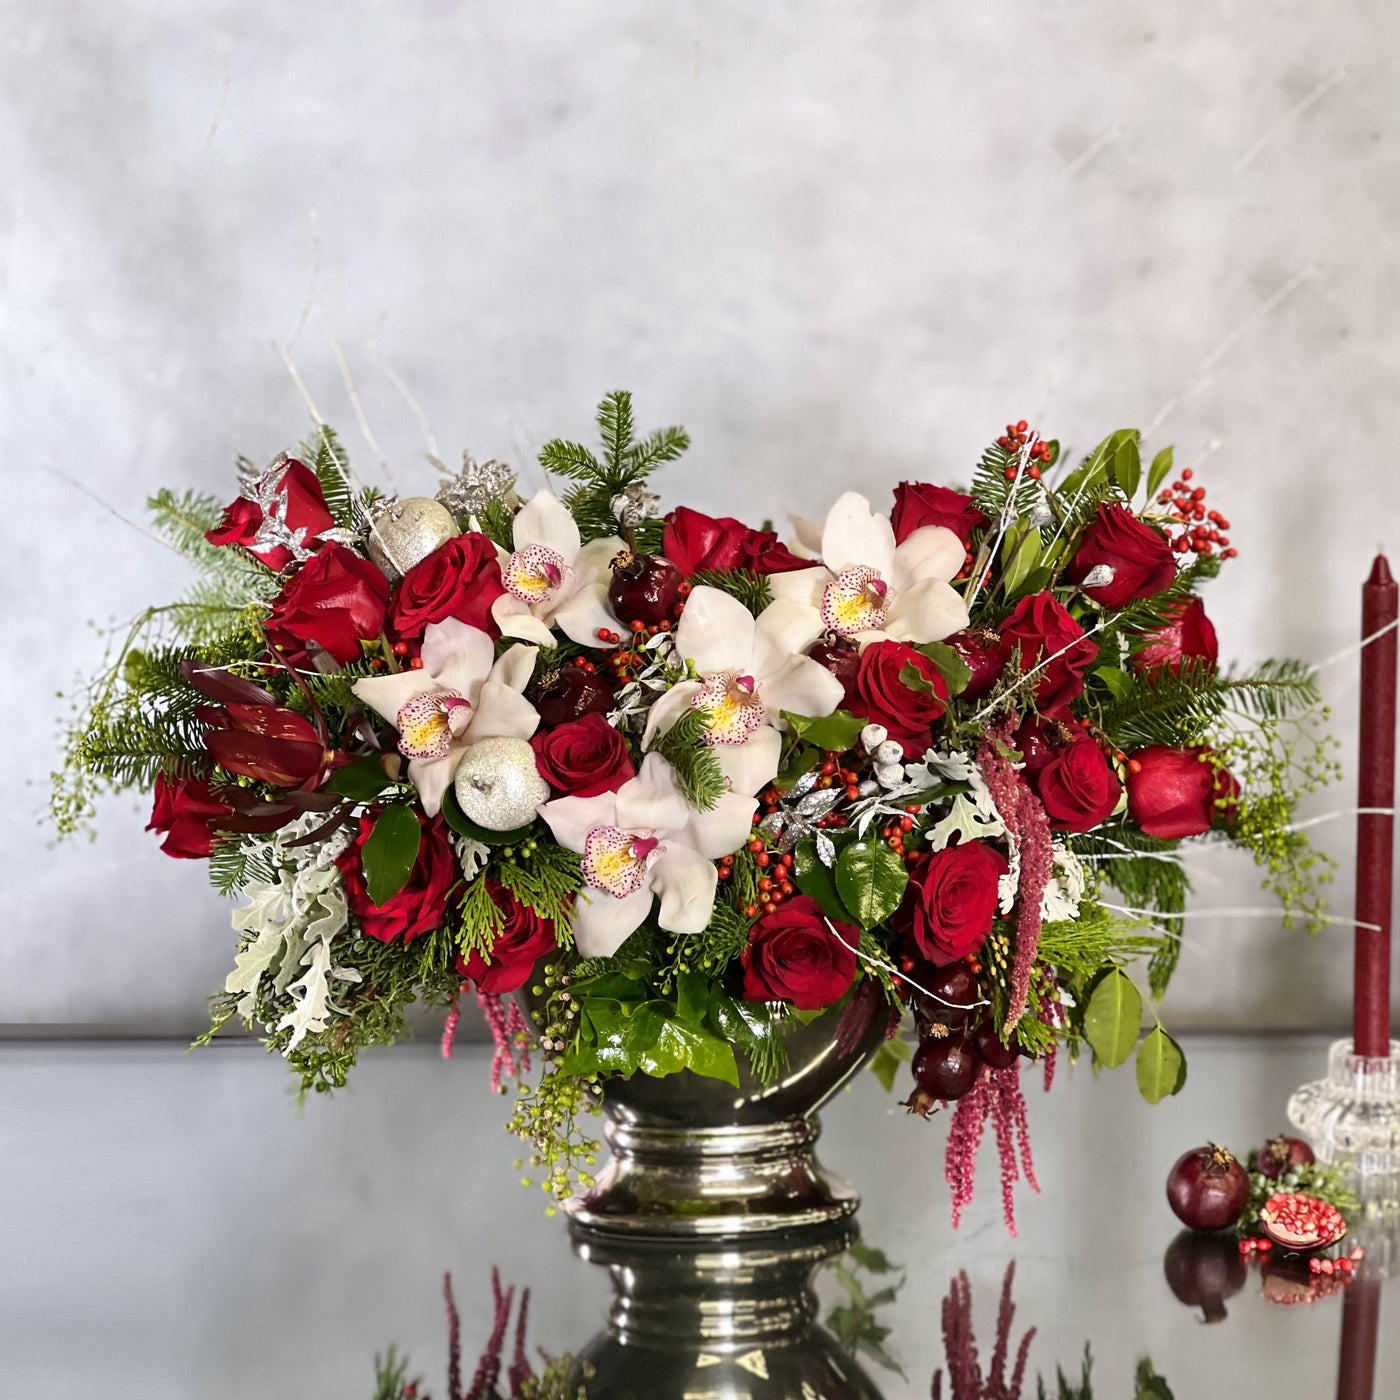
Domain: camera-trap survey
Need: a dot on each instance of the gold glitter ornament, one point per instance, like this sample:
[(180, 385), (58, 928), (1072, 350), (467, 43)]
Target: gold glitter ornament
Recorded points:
[(498, 785), (405, 532)]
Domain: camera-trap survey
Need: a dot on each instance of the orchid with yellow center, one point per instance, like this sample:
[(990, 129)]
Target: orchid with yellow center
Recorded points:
[(751, 669), (461, 695), (872, 590), (551, 580), (642, 843)]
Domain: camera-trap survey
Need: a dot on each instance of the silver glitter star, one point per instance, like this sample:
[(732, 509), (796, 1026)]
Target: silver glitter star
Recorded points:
[(798, 818), (469, 491)]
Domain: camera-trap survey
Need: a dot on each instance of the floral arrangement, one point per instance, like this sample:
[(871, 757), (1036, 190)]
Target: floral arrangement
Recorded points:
[(683, 782)]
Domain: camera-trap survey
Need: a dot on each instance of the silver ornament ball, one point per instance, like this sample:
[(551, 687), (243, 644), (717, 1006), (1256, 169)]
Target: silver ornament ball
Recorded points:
[(498, 785), (405, 532)]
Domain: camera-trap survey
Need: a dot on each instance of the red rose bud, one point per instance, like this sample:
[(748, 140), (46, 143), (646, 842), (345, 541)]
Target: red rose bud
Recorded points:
[(583, 757), (460, 579), (885, 699), (695, 541), (981, 653), (1188, 636), (1141, 560), (1077, 787), (336, 600), (184, 811), (1041, 629), (306, 510), (794, 957), (422, 903), (841, 657), (1172, 792), (951, 900), (917, 504), (522, 939)]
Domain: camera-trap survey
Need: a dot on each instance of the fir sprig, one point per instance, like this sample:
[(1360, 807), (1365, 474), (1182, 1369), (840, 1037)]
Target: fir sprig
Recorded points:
[(747, 585), (686, 747), (323, 452)]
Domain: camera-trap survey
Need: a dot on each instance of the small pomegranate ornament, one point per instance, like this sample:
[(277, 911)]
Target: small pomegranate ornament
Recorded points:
[(1207, 1188), (943, 1070), (1280, 1154), (943, 1000), (841, 657), (572, 693), (644, 588), (980, 652), (1296, 1221), (990, 1049)]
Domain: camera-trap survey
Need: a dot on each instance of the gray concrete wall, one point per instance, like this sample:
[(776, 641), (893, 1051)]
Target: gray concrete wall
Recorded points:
[(842, 243)]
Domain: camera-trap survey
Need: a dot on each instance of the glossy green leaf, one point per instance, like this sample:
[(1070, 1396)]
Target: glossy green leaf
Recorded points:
[(886, 1061), (692, 996), (390, 852), (1161, 1066), (461, 823), (364, 779), (914, 679), (836, 732), (951, 666), (1118, 682), (1103, 464), (1113, 1018), (1158, 472), (870, 878), (817, 880), (1127, 463), (1020, 554)]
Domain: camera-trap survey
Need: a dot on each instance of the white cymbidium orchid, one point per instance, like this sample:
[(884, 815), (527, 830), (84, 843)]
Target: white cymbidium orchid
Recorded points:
[(870, 588), (751, 669), (641, 842), (462, 694), (551, 581)]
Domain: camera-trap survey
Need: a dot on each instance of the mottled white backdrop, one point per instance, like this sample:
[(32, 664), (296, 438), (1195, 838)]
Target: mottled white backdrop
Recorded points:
[(842, 243)]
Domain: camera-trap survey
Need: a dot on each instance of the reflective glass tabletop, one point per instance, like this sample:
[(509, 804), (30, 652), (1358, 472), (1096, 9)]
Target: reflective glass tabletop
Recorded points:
[(173, 1227)]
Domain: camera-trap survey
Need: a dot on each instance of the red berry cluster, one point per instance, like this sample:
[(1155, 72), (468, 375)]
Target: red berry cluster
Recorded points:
[(626, 661), (774, 885), (1015, 438), (1202, 531)]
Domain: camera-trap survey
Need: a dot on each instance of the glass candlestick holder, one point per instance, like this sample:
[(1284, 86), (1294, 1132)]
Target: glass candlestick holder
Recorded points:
[(1355, 1112)]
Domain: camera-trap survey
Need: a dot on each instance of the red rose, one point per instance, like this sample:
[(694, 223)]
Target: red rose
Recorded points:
[(1189, 635), (1172, 792), (1042, 629), (694, 541), (584, 757), (306, 510), (917, 504), (522, 939), (460, 579), (1077, 788), (184, 811), (792, 956), (885, 699), (1142, 561), (336, 599), (951, 900), (421, 904)]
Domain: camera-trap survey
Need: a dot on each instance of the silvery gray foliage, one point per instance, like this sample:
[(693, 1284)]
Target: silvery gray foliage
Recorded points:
[(468, 491), (264, 489), (797, 818)]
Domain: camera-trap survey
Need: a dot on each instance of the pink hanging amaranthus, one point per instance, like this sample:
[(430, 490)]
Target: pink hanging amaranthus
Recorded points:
[(1028, 829), (960, 1346), (509, 1031), (996, 1095)]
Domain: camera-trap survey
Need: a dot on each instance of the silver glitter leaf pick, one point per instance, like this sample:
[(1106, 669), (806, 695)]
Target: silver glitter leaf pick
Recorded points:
[(265, 491), (477, 484)]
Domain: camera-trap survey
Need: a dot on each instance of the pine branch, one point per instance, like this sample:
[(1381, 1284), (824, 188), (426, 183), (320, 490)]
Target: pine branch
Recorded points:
[(182, 522), (686, 747), (615, 425), (1275, 689), (748, 586), (665, 445), (327, 457), (570, 459)]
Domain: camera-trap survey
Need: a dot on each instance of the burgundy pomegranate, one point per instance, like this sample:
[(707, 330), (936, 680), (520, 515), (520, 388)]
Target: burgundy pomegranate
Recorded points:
[(944, 996), (572, 693), (943, 1070), (1207, 1188), (980, 652), (1297, 1221), (1280, 1154), (841, 657), (990, 1049), (1203, 1271), (645, 588)]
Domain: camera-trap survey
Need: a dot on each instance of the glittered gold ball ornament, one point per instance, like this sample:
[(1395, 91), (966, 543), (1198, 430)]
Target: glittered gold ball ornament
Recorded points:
[(405, 532), (498, 785)]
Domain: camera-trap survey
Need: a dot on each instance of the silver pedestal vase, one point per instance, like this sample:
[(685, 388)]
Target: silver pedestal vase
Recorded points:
[(694, 1157), (702, 1318)]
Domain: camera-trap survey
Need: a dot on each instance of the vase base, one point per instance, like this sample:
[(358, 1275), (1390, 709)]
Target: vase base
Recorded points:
[(711, 1183)]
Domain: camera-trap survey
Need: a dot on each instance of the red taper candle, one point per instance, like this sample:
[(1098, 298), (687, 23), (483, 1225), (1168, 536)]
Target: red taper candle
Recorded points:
[(1375, 832)]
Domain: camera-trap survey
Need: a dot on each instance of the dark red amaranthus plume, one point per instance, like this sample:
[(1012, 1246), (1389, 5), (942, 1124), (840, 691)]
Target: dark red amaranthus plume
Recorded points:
[(454, 1341), (510, 1033), (996, 1095), (960, 1347)]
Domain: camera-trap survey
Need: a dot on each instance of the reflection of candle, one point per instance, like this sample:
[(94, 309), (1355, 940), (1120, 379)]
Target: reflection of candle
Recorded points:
[(1375, 834), (1361, 1321)]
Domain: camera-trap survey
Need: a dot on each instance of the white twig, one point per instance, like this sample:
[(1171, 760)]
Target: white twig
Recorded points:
[(354, 395), (1356, 648), (1245, 912), (1311, 99), (903, 976), (1035, 671), (408, 397)]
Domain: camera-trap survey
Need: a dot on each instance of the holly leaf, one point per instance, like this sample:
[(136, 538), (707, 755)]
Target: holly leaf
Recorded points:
[(950, 665), (390, 852), (364, 779), (870, 878), (817, 880), (836, 732), (1113, 1018), (463, 825), (1158, 472), (1161, 1066)]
